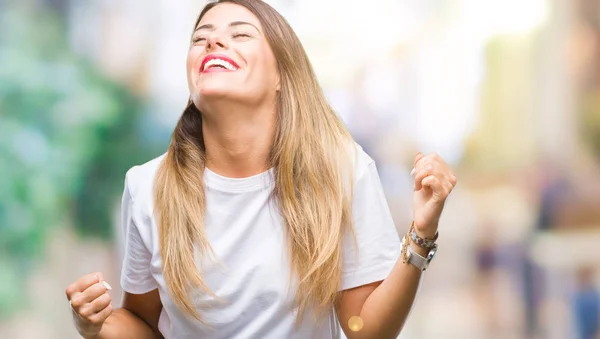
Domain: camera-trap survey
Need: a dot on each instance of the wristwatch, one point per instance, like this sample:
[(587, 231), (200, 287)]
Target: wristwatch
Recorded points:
[(416, 259)]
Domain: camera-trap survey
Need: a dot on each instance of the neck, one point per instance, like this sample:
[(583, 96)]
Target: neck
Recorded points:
[(238, 139)]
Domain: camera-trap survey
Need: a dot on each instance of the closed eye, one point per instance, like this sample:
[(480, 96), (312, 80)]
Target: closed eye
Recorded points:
[(241, 35)]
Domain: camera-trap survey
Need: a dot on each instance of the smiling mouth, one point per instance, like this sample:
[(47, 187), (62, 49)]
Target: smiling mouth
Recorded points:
[(216, 64)]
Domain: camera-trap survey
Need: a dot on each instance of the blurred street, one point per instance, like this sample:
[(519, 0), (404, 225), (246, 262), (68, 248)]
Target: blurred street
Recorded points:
[(508, 92)]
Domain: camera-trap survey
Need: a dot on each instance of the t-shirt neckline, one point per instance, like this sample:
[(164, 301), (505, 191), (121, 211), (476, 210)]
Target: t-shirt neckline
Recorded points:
[(256, 182)]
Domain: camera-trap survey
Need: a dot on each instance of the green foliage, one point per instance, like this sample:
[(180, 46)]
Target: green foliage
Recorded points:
[(67, 136)]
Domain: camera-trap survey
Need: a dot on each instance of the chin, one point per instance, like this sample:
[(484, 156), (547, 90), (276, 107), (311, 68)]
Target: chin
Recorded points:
[(208, 92)]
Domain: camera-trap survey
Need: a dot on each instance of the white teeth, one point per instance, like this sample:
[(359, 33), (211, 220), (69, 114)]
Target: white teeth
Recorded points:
[(219, 62)]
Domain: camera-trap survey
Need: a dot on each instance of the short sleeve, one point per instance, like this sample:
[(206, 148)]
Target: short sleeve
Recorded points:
[(136, 277), (377, 247)]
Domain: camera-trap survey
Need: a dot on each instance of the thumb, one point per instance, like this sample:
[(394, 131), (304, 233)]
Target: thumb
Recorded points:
[(100, 277), (418, 158)]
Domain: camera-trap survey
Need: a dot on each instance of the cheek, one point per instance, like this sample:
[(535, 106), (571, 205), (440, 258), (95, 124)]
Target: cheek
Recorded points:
[(192, 59), (267, 72), (192, 66), (271, 68)]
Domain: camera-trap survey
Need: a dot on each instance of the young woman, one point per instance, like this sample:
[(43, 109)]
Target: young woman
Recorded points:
[(264, 219)]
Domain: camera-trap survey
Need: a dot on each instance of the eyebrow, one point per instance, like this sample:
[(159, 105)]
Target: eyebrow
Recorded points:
[(211, 27)]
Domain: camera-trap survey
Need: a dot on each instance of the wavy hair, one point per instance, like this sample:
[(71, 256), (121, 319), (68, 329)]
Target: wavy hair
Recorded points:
[(312, 164)]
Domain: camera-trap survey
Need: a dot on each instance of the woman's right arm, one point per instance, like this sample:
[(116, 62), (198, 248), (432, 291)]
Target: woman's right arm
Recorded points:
[(138, 317), (95, 319)]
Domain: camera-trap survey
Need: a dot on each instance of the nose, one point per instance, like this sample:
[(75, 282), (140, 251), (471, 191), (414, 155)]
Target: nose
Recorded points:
[(215, 41)]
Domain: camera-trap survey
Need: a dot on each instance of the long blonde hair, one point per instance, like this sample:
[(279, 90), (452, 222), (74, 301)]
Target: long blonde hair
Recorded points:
[(312, 160)]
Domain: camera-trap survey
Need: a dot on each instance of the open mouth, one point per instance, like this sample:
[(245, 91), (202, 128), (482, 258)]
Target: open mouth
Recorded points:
[(218, 63)]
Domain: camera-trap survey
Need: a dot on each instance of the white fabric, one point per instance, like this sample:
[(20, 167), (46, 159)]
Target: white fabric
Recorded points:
[(247, 235)]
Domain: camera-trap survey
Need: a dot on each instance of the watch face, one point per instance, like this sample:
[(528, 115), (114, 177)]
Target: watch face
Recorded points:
[(431, 254)]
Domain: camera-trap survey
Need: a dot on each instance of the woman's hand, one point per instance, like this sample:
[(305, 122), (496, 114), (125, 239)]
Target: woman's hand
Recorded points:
[(90, 304), (434, 181)]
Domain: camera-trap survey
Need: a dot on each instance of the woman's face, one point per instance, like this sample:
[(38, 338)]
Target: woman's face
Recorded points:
[(230, 58)]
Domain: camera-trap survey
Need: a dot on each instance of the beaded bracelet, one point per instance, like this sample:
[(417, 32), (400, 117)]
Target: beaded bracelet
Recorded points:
[(422, 242)]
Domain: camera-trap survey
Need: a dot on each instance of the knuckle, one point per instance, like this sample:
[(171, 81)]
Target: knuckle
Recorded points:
[(69, 290), (98, 291), (84, 314), (104, 299), (85, 311), (94, 289), (100, 303), (77, 301)]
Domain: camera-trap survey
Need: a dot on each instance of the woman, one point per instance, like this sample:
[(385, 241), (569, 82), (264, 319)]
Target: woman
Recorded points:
[(264, 219)]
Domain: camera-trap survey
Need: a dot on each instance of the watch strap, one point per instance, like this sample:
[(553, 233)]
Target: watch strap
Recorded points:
[(415, 259)]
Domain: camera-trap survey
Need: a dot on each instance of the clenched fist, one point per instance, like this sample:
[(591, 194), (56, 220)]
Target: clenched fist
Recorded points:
[(434, 181), (90, 304)]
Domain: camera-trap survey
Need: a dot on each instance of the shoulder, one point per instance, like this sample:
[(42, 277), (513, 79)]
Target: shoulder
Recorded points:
[(361, 160), (139, 180)]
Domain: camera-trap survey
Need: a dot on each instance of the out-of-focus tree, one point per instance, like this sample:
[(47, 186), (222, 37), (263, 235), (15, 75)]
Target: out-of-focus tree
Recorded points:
[(67, 136), (586, 52)]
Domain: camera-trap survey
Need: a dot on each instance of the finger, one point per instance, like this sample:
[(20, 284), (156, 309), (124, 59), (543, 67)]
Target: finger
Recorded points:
[(418, 158), (453, 180), (83, 283), (440, 189), (448, 179), (424, 161), (90, 294), (433, 183), (449, 189), (424, 172), (98, 319), (95, 306)]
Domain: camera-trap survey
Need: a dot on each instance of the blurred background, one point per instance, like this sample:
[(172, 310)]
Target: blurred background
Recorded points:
[(507, 91)]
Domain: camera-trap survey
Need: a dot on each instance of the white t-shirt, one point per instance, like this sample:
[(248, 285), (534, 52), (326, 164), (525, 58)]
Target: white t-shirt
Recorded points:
[(246, 233)]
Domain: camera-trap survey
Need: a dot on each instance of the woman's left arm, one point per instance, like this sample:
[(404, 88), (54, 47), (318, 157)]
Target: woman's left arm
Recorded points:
[(380, 309)]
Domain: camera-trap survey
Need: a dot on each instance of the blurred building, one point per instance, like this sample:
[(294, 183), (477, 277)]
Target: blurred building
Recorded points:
[(507, 91)]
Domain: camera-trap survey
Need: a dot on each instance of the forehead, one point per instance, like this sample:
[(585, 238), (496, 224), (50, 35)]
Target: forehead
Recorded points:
[(225, 13)]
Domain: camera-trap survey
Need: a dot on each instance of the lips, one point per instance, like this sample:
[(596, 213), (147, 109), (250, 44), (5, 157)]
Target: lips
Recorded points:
[(218, 62)]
